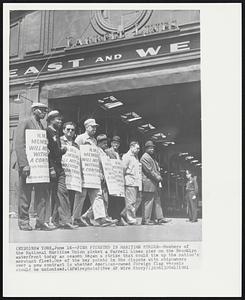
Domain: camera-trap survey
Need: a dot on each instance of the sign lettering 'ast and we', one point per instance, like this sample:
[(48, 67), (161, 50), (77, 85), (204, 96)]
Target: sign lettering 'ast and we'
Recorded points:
[(115, 54)]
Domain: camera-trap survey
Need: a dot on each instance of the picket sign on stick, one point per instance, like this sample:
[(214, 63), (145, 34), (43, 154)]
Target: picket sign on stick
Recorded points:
[(119, 177), (111, 182), (90, 166), (72, 167), (140, 177), (37, 156)]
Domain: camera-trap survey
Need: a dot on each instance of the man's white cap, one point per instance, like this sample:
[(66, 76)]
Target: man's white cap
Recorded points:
[(39, 104), (52, 114), (90, 122)]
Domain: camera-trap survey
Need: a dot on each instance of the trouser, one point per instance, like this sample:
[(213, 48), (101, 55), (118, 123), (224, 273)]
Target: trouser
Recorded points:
[(116, 205), (97, 203), (62, 210), (102, 194), (151, 200), (132, 203), (71, 199), (41, 198), (192, 206)]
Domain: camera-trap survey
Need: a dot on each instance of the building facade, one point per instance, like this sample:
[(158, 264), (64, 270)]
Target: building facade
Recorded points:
[(137, 72)]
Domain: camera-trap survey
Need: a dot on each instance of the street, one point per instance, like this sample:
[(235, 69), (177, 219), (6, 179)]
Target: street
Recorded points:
[(177, 230)]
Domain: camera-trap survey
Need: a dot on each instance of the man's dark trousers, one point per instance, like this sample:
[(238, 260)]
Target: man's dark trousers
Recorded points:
[(41, 197), (62, 208)]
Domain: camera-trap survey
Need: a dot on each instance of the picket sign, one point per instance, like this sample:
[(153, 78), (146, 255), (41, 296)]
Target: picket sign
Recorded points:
[(72, 167), (37, 156), (90, 166), (119, 177), (140, 177)]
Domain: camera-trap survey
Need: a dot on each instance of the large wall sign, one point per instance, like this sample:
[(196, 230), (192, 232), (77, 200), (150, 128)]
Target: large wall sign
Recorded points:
[(81, 58), (118, 20), (37, 156)]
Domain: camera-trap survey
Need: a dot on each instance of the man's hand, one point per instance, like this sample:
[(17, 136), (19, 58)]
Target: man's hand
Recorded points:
[(52, 172), (63, 149), (159, 178), (26, 171), (193, 197)]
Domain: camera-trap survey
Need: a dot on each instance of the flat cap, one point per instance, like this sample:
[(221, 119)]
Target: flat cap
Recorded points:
[(101, 137), (149, 144), (90, 122), (52, 114), (38, 105), (116, 138)]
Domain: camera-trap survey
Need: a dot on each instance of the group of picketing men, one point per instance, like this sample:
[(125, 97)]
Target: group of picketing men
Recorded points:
[(65, 208)]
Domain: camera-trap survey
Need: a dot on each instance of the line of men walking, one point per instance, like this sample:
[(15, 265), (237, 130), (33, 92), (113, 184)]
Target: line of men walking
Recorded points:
[(66, 206)]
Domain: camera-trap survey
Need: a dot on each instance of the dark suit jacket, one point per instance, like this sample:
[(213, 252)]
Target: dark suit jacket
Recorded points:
[(20, 140), (150, 173)]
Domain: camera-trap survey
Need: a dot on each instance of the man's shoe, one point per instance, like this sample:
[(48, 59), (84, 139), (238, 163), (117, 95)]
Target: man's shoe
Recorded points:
[(26, 227), (86, 220), (163, 221), (113, 221), (70, 226), (147, 223), (44, 226), (122, 222), (133, 223), (104, 223)]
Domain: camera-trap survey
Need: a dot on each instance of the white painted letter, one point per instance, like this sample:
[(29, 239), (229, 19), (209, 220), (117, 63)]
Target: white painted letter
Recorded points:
[(182, 46), (99, 59), (108, 57), (12, 73), (33, 70), (117, 56), (75, 62), (55, 66), (151, 51)]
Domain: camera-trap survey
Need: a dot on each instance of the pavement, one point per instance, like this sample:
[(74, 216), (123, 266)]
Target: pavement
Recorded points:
[(176, 230)]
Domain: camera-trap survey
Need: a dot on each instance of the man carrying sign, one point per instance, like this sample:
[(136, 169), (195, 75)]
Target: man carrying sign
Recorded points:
[(68, 140), (39, 111), (87, 138), (132, 179), (103, 192), (62, 211), (116, 204)]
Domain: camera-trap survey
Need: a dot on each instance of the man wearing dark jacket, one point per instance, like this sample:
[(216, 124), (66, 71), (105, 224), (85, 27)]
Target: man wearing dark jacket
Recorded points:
[(152, 179), (39, 111), (62, 210)]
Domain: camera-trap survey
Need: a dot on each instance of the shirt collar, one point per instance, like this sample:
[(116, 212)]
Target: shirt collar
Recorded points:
[(53, 129)]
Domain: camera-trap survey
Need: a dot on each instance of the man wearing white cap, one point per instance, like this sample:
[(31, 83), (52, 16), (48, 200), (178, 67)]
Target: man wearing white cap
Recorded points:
[(97, 204), (39, 111)]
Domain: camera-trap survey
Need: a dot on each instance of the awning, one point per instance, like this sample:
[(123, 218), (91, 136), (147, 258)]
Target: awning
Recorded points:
[(133, 80)]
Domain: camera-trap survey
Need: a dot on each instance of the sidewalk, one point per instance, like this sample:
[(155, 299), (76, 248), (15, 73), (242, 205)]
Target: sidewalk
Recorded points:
[(177, 230)]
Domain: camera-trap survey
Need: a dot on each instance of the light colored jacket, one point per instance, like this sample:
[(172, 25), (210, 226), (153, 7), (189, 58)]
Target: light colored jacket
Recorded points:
[(85, 139), (131, 169)]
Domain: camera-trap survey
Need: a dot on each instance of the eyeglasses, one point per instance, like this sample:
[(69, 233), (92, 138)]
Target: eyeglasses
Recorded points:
[(45, 110), (70, 129)]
